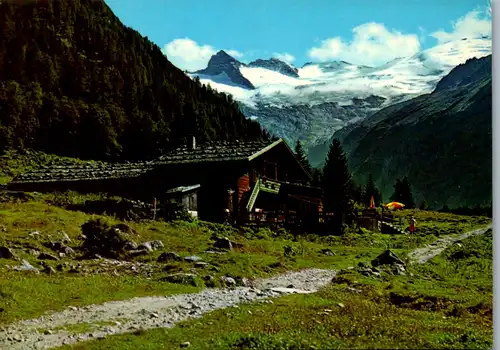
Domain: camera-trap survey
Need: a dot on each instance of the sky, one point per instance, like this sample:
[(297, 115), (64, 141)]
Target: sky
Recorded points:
[(369, 32)]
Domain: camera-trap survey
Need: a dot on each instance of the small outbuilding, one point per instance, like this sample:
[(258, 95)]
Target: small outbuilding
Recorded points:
[(187, 196)]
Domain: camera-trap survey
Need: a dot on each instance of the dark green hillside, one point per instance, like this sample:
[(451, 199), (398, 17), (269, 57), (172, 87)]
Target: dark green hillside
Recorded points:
[(75, 81), (441, 141)]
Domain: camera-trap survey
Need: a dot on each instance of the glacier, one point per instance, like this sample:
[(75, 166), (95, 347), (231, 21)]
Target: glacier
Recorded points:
[(314, 101)]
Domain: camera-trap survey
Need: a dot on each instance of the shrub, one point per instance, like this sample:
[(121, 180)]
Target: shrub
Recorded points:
[(270, 342), (173, 211), (103, 239)]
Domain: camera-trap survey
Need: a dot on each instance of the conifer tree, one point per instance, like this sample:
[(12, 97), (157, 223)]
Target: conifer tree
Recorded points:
[(301, 155), (317, 176), (402, 193), (371, 190), (337, 185)]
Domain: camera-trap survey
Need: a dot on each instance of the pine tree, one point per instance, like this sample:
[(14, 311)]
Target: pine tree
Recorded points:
[(357, 192), (337, 185), (402, 193), (317, 177), (396, 194), (423, 205), (371, 190), (301, 155)]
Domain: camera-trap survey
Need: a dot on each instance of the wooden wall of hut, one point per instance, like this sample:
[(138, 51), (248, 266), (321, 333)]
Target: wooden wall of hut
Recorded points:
[(278, 164), (215, 179)]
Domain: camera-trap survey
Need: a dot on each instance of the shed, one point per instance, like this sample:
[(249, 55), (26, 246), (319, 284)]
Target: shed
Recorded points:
[(187, 195)]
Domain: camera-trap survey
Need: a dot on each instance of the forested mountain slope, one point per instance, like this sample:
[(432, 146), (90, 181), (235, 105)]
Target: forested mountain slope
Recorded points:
[(442, 141), (75, 81)]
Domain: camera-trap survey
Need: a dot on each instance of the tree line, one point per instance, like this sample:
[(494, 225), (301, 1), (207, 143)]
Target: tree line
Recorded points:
[(340, 192)]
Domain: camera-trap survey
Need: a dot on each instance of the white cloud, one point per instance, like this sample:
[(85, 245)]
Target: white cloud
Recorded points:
[(285, 57), (234, 53), (188, 55), (474, 24), (372, 44)]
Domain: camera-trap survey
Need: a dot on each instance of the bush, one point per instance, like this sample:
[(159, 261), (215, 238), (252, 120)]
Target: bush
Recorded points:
[(270, 342), (218, 230), (103, 239), (266, 233), (174, 211)]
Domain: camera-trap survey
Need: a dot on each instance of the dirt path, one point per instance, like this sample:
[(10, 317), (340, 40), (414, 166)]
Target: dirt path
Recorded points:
[(152, 312), (422, 255)]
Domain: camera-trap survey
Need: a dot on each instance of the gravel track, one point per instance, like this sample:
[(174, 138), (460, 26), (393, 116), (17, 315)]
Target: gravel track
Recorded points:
[(424, 254)]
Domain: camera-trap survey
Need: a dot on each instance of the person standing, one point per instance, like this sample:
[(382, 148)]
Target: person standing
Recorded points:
[(413, 224)]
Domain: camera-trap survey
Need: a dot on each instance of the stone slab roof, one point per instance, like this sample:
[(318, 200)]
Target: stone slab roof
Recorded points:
[(208, 152), (217, 152), (183, 189), (84, 172)]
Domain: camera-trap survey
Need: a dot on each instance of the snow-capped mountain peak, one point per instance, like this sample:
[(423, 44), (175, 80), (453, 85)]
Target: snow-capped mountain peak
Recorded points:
[(276, 65), (222, 65), (319, 98)]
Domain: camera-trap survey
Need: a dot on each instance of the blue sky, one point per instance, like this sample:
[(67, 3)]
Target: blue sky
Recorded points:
[(359, 31)]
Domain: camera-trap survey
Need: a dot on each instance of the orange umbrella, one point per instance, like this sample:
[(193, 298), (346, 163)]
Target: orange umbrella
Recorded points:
[(394, 205), (372, 203)]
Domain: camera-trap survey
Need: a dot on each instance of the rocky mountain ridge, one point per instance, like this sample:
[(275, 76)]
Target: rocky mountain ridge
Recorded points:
[(298, 105)]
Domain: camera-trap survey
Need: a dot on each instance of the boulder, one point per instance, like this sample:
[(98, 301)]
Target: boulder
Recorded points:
[(181, 278), (7, 253), (47, 256), (387, 258), (192, 258), (130, 245), (242, 281), (327, 252), (151, 245), (65, 238), (398, 269), (209, 281), (226, 243), (168, 257), (26, 266), (138, 252), (201, 264), (228, 281), (62, 248), (49, 270)]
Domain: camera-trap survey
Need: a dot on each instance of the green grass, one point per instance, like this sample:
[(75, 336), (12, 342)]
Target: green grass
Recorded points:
[(27, 296), (24, 296), (453, 311)]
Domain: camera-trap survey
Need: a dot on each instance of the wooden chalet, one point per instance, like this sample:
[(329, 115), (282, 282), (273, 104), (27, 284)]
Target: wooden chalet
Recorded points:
[(259, 181)]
